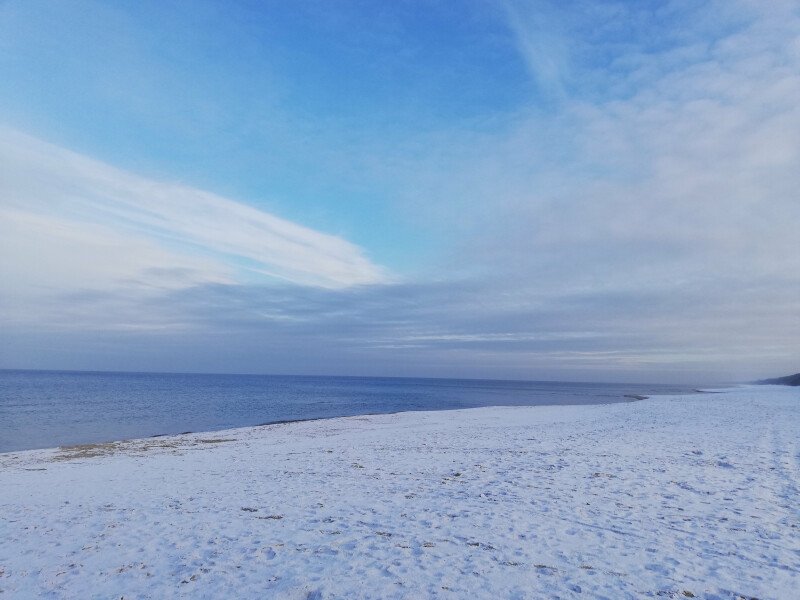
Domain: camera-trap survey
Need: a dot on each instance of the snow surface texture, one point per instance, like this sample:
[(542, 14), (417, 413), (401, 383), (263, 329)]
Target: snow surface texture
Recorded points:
[(671, 497)]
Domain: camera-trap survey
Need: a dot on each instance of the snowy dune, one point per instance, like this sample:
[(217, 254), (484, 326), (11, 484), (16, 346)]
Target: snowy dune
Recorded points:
[(668, 497)]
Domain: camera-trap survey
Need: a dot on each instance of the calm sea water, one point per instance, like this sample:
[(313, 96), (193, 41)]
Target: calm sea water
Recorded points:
[(42, 409)]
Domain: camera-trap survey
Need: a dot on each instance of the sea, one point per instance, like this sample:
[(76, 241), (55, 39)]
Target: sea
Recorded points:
[(44, 409)]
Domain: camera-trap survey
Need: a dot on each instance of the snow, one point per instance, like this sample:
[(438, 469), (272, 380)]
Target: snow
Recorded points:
[(675, 496)]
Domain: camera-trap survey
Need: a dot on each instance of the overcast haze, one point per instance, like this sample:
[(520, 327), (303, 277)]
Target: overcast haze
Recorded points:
[(598, 190)]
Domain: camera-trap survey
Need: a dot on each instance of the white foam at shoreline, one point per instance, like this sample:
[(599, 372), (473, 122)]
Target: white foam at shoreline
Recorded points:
[(694, 493)]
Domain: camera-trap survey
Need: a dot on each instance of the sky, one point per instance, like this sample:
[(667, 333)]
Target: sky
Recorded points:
[(599, 190)]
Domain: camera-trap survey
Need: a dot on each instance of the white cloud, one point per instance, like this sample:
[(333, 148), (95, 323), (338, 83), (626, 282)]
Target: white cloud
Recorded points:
[(72, 223), (541, 43)]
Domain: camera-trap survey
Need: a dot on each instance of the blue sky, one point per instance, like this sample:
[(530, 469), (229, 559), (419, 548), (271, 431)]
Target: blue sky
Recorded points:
[(584, 190), (261, 101)]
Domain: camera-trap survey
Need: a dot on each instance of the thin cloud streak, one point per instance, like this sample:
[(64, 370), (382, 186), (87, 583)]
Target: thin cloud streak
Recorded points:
[(541, 43), (74, 191)]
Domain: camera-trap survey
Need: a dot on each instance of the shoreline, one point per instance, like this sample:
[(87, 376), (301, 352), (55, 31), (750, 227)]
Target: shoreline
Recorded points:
[(623, 399), (655, 498), (44, 410), (252, 429)]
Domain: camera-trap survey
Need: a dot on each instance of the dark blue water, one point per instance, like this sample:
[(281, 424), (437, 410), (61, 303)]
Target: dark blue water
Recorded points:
[(42, 409)]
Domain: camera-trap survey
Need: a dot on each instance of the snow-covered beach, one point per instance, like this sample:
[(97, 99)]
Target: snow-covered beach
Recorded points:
[(674, 496)]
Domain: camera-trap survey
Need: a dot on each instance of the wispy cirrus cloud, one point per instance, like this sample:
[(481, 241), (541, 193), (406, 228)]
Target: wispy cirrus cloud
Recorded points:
[(71, 222), (542, 43)]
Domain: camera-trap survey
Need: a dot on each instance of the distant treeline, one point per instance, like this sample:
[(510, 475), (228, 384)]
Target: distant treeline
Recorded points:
[(788, 380)]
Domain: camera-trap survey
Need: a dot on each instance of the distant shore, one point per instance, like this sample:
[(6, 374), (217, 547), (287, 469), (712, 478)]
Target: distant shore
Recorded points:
[(792, 380)]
